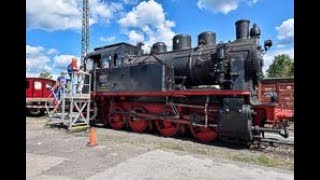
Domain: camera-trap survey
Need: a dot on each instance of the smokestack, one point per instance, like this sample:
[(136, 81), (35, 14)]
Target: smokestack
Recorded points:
[(181, 41), (242, 29), (207, 38), (158, 47)]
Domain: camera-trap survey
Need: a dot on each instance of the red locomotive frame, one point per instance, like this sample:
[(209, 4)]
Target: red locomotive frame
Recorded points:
[(116, 111)]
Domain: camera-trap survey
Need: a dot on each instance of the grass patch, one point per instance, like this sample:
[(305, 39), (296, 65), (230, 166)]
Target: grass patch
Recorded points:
[(262, 160), (171, 146), (247, 157), (258, 159)]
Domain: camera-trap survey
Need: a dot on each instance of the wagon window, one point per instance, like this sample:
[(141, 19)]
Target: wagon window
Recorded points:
[(27, 84), (37, 85)]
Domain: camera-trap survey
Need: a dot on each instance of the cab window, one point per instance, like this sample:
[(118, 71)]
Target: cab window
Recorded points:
[(117, 60), (105, 62), (89, 64)]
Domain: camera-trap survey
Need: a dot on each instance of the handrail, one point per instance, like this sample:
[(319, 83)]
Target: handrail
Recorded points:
[(73, 84)]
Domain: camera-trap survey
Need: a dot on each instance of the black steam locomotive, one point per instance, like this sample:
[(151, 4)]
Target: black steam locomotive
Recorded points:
[(210, 89)]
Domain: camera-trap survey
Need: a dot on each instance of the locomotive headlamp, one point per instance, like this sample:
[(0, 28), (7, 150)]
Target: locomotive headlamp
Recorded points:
[(267, 44)]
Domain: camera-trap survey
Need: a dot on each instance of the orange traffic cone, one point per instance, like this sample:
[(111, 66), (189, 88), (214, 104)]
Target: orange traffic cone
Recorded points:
[(92, 142)]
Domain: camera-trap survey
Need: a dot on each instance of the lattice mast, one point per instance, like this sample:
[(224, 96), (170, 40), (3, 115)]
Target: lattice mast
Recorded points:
[(85, 30)]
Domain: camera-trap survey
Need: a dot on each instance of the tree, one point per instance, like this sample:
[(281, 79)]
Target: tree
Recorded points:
[(45, 74), (282, 66)]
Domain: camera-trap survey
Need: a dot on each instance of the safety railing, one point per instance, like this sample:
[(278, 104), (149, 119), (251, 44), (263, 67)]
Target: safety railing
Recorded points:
[(78, 85)]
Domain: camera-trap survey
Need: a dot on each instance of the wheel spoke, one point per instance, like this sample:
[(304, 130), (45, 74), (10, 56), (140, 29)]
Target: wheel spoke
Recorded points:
[(117, 118), (137, 124), (204, 134), (166, 127)]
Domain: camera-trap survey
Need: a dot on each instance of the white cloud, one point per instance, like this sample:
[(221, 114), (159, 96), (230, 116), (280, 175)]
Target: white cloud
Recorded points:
[(107, 39), (135, 36), (222, 6), (32, 74), (52, 51), (269, 56), (286, 31), (280, 46), (53, 15), (102, 12), (36, 58), (147, 22), (55, 76), (30, 50), (131, 2), (252, 2)]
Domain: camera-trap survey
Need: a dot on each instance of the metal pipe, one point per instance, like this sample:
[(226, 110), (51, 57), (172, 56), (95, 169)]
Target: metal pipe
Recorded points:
[(89, 101), (201, 125), (94, 77), (195, 106), (173, 107), (190, 64), (189, 105), (266, 129), (286, 133), (95, 111), (206, 112), (213, 110), (157, 117), (277, 141)]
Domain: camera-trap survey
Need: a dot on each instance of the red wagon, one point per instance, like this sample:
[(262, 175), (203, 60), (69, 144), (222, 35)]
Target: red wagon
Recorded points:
[(38, 92), (284, 88)]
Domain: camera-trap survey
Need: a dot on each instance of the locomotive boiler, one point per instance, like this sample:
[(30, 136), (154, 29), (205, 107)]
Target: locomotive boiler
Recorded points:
[(209, 90)]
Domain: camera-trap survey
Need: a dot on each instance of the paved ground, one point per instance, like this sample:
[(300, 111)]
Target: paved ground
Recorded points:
[(54, 154)]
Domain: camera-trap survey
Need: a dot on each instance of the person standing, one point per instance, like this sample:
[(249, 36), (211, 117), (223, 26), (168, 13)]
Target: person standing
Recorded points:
[(81, 77), (72, 70), (61, 84), (68, 86)]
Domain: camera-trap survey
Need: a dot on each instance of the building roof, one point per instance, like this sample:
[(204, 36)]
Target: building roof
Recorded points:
[(38, 78)]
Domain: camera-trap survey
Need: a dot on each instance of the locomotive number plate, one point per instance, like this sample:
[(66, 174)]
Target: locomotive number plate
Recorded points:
[(103, 78)]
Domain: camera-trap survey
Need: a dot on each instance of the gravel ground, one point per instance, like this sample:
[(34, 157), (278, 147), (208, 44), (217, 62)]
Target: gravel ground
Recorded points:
[(51, 153)]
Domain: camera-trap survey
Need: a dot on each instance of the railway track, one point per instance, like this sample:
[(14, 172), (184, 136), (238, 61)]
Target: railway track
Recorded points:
[(273, 143), (275, 146)]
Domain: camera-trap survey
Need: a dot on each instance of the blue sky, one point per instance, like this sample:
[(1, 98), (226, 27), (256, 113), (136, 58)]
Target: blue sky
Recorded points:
[(54, 26)]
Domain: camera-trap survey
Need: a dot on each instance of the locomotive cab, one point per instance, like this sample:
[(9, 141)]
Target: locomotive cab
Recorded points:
[(111, 56)]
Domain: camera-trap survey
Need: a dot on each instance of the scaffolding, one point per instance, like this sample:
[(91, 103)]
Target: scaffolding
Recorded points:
[(71, 109)]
